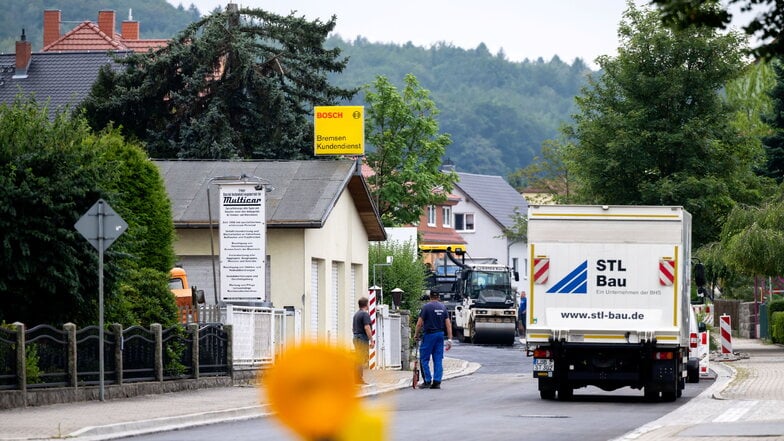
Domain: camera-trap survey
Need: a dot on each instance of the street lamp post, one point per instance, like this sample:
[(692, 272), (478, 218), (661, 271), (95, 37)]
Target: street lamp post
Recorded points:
[(397, 298), (381, 290)]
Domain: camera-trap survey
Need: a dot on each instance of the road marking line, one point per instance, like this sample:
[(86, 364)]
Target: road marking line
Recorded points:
[(735, 413)]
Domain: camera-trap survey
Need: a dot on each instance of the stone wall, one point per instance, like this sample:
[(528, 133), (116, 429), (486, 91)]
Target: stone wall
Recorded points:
[(43, 396)]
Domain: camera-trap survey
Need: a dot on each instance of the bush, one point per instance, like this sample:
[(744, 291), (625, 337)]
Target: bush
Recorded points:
[(51, 172), (407, 272), (777, 327)]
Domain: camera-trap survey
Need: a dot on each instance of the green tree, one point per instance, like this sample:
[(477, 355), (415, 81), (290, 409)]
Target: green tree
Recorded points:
[(142, 294), (547, 174), (407, 151), (774, 141), (235, 84), (753, 239), (766, 25), (51, 172), (406, 272), (48, 179), (654, 129)]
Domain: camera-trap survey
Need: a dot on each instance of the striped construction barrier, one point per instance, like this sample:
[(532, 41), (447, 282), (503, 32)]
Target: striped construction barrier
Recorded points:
[(372, 359), (704, 354), (726, 333)]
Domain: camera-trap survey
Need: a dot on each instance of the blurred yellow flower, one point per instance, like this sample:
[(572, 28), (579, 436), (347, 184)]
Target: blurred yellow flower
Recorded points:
[(312, 389)]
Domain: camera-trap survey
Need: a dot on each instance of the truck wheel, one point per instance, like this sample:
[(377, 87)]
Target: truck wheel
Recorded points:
[(693, 373), (651, 393), (565, 392), (681, 386), (546, 389), (670, 391)]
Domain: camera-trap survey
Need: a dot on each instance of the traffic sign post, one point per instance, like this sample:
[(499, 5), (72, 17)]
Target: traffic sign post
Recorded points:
[(101, 226)]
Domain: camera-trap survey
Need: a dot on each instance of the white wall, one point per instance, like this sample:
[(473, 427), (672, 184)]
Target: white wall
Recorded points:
[(343, 240)]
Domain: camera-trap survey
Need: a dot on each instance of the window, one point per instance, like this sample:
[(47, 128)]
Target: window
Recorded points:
[(431, 215), (464, 221), (446, 214)]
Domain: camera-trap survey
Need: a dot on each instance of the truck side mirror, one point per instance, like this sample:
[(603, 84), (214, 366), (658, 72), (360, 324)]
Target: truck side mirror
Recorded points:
[(699, 274), (197, 295), (516, 276)]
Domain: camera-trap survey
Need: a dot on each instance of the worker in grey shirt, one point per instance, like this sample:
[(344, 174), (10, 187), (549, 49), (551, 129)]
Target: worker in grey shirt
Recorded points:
[(363, 337)]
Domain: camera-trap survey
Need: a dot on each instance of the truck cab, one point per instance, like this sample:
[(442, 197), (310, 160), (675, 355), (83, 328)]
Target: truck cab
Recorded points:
[(185, 296)]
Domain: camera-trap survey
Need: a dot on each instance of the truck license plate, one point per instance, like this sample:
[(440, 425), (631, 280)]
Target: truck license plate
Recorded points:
[(544, 365)]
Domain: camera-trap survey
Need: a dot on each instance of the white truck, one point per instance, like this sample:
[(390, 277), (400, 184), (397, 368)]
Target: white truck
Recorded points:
[(608, 303)]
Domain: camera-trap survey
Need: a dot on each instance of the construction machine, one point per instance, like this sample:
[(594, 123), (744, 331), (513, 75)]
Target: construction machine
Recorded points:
[(486, 311)]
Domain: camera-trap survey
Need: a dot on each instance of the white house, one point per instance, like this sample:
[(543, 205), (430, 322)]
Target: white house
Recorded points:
[(486, 209), (320, 218)]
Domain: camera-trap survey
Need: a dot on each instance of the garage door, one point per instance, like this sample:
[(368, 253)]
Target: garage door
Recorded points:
[(333, 304), (314, 303)]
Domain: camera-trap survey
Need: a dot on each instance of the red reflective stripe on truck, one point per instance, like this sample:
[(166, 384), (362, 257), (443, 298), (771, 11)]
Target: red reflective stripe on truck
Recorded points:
[(666, 272)]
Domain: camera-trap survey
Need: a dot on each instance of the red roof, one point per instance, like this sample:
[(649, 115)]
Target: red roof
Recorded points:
[(89, 37), (445, 236)]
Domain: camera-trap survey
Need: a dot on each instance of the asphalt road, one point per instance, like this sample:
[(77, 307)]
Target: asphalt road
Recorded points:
[(498, 402)]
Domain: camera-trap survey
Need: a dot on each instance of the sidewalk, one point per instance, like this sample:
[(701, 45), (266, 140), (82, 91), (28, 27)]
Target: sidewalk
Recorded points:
[(94, 420), (746, 401)]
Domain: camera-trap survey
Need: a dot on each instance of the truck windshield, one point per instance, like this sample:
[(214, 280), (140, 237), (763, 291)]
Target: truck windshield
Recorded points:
[(489, 284)]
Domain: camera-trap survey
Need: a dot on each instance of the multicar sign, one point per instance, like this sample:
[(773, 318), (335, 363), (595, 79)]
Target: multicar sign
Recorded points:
[(339, 130), (242, 242)]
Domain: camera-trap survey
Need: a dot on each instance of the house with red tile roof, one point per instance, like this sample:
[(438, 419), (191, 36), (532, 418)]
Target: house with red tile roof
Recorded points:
[(435, 227), (63, 72), (101, 36)]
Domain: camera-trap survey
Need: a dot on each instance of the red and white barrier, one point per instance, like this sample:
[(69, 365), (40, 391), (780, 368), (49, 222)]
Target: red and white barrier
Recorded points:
[(704, 354), (726, 334), (372, 312)]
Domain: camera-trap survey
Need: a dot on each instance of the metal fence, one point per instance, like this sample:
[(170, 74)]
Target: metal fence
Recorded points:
[(45, 357), (259, 337), (261, 333)]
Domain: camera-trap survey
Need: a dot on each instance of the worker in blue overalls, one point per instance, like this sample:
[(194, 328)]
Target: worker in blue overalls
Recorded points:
[(432, 323)]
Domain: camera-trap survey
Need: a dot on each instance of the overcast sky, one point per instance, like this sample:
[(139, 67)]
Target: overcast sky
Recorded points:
[(523, 28)]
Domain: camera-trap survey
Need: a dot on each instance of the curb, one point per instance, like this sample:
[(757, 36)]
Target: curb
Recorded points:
[(156, 425)]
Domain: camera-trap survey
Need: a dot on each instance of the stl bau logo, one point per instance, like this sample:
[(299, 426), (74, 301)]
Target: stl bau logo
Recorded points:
[(576, 282)]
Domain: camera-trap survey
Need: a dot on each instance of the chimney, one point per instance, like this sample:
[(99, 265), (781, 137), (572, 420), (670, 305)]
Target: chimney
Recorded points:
[(106, 22), (24, 53), (51, 26), (130, 30)]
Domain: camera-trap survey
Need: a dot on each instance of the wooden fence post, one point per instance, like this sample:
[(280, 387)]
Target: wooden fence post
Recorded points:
[(193, 330), (119, 339), (155, 328), (70, 329)]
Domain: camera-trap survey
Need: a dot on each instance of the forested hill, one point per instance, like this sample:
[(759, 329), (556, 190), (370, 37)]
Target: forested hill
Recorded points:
[(497, 112)]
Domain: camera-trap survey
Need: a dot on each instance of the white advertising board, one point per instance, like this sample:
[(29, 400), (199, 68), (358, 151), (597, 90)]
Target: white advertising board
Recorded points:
[(243, 232)]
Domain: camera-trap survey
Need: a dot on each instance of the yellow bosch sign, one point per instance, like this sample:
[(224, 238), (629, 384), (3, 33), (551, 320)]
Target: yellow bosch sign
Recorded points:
[(339, 130)]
